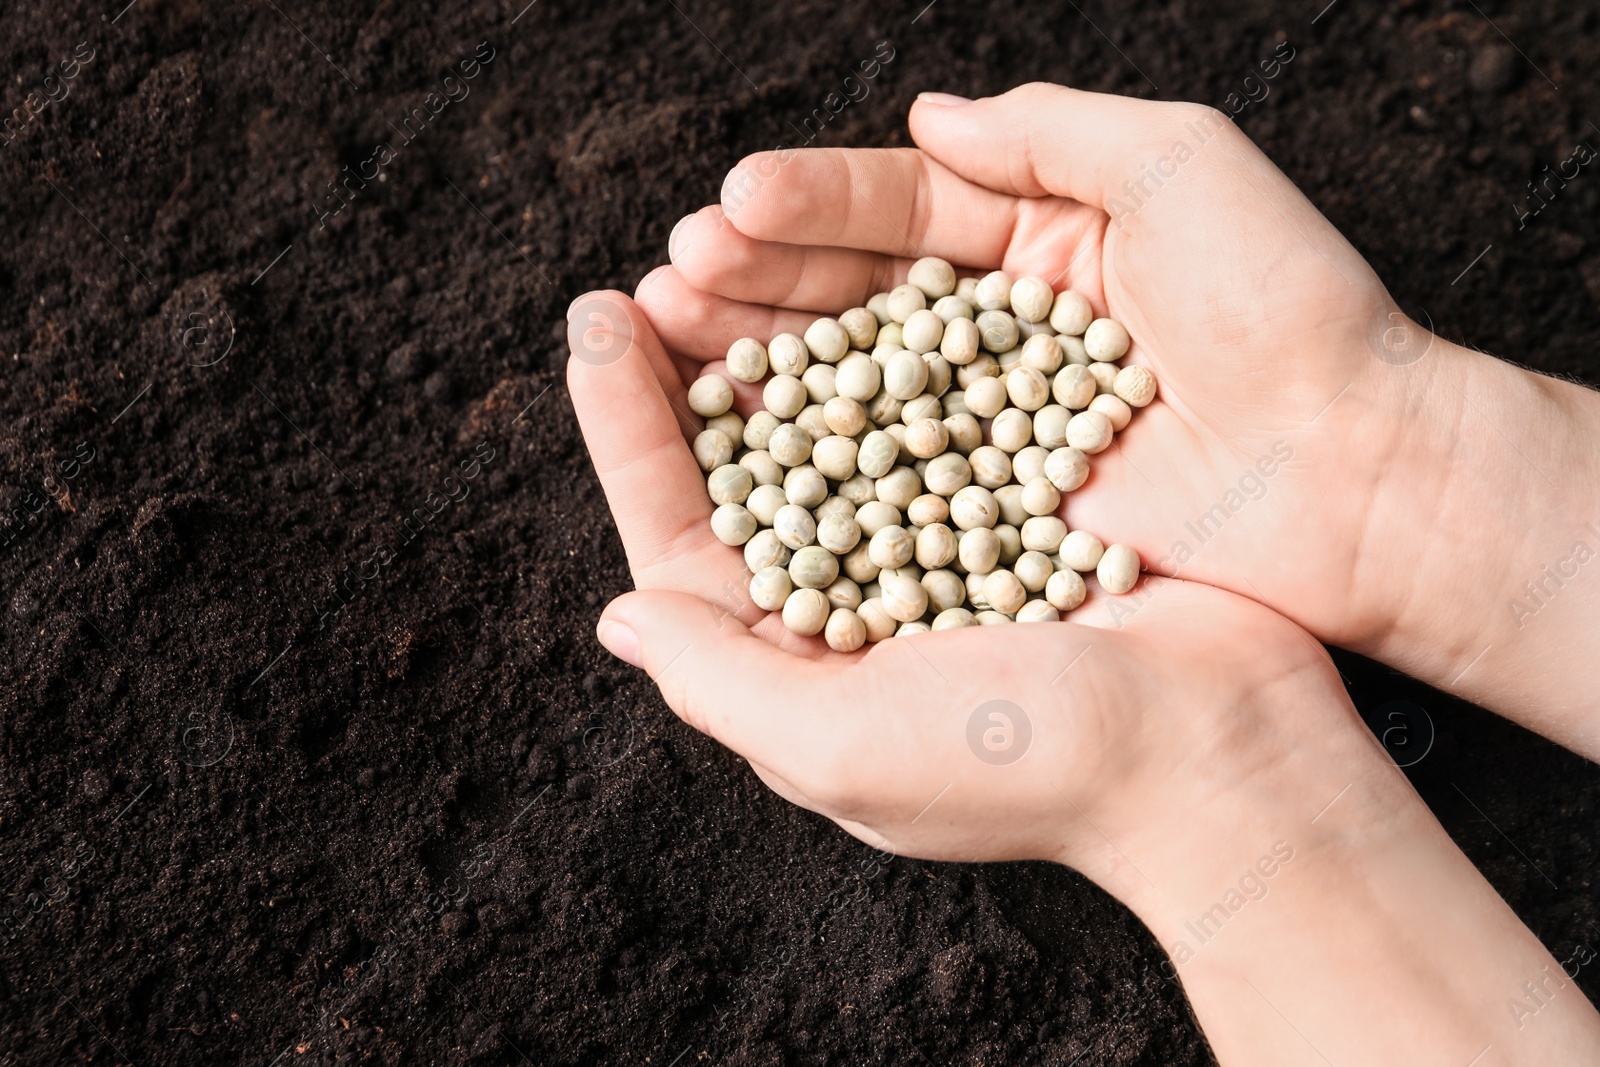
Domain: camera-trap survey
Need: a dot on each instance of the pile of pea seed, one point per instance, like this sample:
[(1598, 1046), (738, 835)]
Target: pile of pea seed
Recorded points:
[(905, 473)]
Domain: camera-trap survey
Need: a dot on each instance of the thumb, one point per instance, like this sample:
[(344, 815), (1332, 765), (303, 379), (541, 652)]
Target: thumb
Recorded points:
[(1043, 139), (770, 706)]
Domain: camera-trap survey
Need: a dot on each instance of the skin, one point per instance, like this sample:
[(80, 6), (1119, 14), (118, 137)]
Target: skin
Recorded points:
[(1188, 735)]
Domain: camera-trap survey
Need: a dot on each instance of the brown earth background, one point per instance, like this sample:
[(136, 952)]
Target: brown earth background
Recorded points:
[(441, 825)]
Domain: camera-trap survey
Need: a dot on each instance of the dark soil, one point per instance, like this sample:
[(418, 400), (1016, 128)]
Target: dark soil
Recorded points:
[(246, 822)]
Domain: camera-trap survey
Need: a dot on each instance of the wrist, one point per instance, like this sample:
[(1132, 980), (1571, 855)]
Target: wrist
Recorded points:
[(1497, 496)]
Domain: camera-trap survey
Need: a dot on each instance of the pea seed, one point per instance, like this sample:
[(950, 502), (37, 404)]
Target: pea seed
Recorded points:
[(1081, 551), (843, 593), (838, 534), (997, 330), (765, 550), (806, 612), (1050, 429), (993, 291), (845, 632), (858, 488), (960, 341), (1027, 387), (899, 487), (1033, 570), (844, 416), (770, 587), (928, 509), (884, 409), (834, 505), (819, 381), (1027, 331), (991, 618), (950, 308), (890, 335), (783, 396), (764, 502), (991, 467), (1135, 385), (835, 457), (1042, 353), (1002, 590), (922, 331), (967, 289), (903, 598), (1011, 430), (1071, 312), (805, 485), (729, 423), (891, 548), (789, 445), (945, 589), (861, 326), (1043, 533), (955, 403), (794, 526), (1105, 376), (1009, 497), (1067, 468), (813, 567), (1010, 542), (963, 432), (1118, 570), (935, 277), (1073, 387), (940, 374), (1106, 340), (1073, 351), (879, 306), (880, 625), (947, 474), (936, 546), (983, 365), (729, 484), (1089, 432), (732, 524), (925, 406), (978, 551), (986, 397), (1039, 497), (905, 301), (710, 395), (858, 566), (1113, 408), (1031, 299), (712, 449), (787, 354), (826, 340), (1038, 611), (1065, 590), (954, 619), (927, 438), (747, 359), (905, 376), (758, 431), (911, 629), (874, 515), (857, 378)]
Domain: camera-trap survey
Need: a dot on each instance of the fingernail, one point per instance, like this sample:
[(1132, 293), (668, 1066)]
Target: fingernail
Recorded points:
[(581, 298), (673, 241), (943, 99), (620, 641)]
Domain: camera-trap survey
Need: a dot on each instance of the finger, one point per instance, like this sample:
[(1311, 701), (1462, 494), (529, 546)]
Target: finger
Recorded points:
[(701, 325), (715, 257), (1041, 139), (783, 712), (897, 201)]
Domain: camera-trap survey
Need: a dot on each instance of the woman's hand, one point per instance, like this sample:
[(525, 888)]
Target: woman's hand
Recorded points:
[(1169, 758), (1308, 440)]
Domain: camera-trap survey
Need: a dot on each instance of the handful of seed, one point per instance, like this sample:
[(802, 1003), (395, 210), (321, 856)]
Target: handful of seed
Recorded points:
[(870, 498)]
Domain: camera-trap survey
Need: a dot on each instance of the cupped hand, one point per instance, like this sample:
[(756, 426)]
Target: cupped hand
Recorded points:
[(1274, 461), (1079, 742)]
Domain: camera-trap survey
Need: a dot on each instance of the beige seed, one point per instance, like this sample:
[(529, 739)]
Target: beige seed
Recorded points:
[(997, 331), (1037, 611), (935, 277), (940, 374), (991, 466), (899, 487), (1009, 497), (729, 484), (1105, 377), (838, 534), (903, 598), (905, 376), (834, 505), (765, 550), (844, 416), (891, 547), (813, 420), (783, 396), (1106, 340), (857, 377), (1043, 533), (835, 457), (991, 618), (789, 444), (819, 381), (861, 326), (1042, 354), (1003, 592), (813, 567), (787, 354), (880, 625), (890, 336), (1081, 551), (712, 449), (1065, 590), (1118, 569), (1067, 468), (826, 340), (926, 438), (964, 432), (806, 612), (1028, 464), (967, 289), (1135, 385), (1039, 497), (857, 566), (729, 423), (982, 366), (950, 308), (1011, 541), (805, 485), (710, 395), (1073, 387), (1050, 427), (1027, 387), (986, 397), (960, 342), (1071, 313), (770, 587), (978, 551), (874, 515), (732, 524), (794, 526), (945, 589), (922, 331), (927, 509), (1011, 430), (764, 502), (878, 304), (858, 488), (974, 580), (843, 593), (921, 407), (911, 629), (747, 360), (955, 403), (905, 301), (845, 632), (1033, 569), (993, 291), (974, 508), (954, 619), (936, 546), (877, 454), (1031, 299), (1089, 432), (1113, 408), (947, 474), (758, 431)]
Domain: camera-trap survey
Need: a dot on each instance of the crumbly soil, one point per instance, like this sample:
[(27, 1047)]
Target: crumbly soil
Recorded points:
[(247, 819)]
